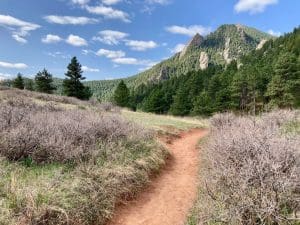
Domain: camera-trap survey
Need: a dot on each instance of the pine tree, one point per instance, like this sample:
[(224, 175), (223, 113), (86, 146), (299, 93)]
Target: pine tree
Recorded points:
[(72, 85), (18, 82), (43, 81), (121, 95), (203, 104), (182, 104), (283, 90), (155, 103)]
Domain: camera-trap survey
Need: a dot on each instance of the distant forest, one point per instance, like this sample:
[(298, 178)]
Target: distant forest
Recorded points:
[(264, 79)]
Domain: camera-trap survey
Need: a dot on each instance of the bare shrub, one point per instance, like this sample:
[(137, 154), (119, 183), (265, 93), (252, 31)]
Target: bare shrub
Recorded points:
[(252, 172), (62, 136)]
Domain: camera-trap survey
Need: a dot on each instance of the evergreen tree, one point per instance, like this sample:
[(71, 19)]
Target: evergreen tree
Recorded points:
[(18, 82), (43, 82), (203, 104), (72, 85), (121, 95), (182, 103), (283, 90), (155, 103)]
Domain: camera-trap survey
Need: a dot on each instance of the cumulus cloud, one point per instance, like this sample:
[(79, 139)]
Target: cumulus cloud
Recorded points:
[(161, 2), (9, 65), (141, 45), (178, 48), (134, 61), (51, 38), (253, 6), (110, 37), (63, 20), (110, 54), (108, 13), (76, 41), (274, 33), (80, 2), (88, 69), (111, 2), (190, 30), (19, 28)]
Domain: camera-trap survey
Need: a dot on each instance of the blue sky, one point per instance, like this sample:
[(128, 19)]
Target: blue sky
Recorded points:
[(119, 38)]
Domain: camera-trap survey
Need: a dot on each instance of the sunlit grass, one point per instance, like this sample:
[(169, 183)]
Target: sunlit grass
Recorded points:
[(165, 122)]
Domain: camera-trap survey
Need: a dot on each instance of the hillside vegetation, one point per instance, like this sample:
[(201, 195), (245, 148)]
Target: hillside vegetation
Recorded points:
[(264, 79), (65, 161)]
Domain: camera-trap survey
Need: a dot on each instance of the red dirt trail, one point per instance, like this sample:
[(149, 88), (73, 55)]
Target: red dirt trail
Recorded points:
[(170, 196)]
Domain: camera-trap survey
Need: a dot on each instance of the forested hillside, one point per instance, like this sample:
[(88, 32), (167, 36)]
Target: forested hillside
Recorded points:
[(227, 43), (266, 78)]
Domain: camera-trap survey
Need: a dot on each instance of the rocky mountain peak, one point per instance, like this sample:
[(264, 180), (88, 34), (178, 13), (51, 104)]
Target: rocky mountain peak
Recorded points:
[(195, 42)]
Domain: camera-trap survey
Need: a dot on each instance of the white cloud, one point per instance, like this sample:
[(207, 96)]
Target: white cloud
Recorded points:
[(274, 33), (178, 48), (189, 31), (80, 2), (253, 6), (110, 2), (141, 45), (63, 20), (59, 54), (19, 28), (76, 41), (109, 13), (110, 37), (161, 2), (18, 38), (51, 38), (110, 54), (133, 61), (13, 65), (88, 69), (150, 5)]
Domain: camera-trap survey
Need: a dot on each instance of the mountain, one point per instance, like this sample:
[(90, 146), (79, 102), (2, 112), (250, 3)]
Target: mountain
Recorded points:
[(266, 78), (227, 43)]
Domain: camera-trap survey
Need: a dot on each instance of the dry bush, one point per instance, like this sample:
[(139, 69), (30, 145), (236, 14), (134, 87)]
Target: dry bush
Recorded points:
[(252, 171), (44, 134)]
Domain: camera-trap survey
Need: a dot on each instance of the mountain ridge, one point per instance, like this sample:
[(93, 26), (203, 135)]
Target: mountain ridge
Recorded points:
[(227, 43)]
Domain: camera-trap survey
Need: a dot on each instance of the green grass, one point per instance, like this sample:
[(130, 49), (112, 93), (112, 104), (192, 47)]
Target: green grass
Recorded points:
[(164, 122)]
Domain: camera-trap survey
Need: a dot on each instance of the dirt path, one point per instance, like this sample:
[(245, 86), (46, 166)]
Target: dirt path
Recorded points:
[(169, 197)]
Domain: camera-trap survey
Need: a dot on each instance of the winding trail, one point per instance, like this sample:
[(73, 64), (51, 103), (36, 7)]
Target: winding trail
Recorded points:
[(170, 196)]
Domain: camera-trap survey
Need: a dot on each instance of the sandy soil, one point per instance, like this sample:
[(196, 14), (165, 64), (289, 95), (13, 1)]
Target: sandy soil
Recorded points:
[(170, 196)]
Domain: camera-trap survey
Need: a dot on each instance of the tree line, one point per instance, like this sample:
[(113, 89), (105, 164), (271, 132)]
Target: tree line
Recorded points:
[(43, 82), (266, 78)]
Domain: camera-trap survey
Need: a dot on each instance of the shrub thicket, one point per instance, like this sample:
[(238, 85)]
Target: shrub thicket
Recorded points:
[(251, 170)]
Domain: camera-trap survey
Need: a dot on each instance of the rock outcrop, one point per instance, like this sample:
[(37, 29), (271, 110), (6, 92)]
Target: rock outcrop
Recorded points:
[(261, 44), (194, 43), (203, 60)]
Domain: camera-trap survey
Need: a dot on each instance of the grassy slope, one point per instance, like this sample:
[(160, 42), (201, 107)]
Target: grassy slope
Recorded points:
[(164, 123)]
